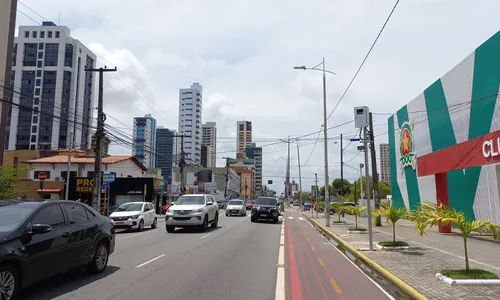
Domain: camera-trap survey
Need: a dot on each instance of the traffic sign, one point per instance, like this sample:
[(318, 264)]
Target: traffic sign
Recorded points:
[(108, 177), (42, 176), (104, 186)]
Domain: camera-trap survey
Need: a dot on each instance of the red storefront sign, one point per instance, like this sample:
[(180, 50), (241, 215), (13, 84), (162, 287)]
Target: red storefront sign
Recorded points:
[(480, 151)]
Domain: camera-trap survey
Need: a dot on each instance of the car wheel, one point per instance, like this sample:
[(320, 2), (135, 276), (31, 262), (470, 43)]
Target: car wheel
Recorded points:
[(170, 229), (100, 260), (204, 227), (155, 224), (275, 221), (216, 221), (244, 214), (253, 220), (9, 282), (141, 226), (331, 212), (227, 215)]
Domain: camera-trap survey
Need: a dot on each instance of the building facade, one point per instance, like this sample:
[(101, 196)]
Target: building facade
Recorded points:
[(243, 136), (145, 140), (255, 153), (443, 144), (48, 70), (8, 9), (385, 165), (190, 112), (209, 138), (165, 143)]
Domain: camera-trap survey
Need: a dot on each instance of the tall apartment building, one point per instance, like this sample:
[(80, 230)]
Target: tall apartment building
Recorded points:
[(209, 138), (8, 9), (244, 136), (255, 153), (190, 111), (145, 140), (165, 146), (48, 70), (385, 165)]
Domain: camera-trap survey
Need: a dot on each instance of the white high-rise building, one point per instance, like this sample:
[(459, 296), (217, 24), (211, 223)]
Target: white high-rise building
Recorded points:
[(209, 138), (190, 109), (48, 69), (385, 165), (244, 136), (145, 140)]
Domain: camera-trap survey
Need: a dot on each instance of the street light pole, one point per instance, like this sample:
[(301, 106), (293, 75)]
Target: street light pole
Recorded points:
[(325, 134)]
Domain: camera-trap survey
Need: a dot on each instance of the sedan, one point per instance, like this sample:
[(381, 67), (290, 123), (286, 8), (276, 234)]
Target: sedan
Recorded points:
[(236, 207), (41, 239)]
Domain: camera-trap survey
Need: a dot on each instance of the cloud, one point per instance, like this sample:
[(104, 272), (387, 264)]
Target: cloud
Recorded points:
[(242, 52)]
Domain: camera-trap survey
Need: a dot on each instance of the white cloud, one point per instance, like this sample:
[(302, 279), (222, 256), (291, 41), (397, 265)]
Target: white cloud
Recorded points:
[(242, 52)]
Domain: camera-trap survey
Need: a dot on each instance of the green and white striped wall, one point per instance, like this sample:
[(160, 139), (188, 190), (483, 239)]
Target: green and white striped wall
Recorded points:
[(457, 107)]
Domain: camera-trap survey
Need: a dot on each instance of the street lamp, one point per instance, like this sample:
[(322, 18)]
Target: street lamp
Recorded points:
[(325, 137)]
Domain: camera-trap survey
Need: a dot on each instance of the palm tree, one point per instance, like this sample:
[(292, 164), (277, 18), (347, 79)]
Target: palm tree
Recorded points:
[(339, 209), (429, 214), (392, 215), (356, 211)]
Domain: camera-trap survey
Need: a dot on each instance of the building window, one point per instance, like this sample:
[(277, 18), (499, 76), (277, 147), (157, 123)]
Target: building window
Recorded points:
[(40, 46), (26, 34), (34, 34), (58, 34), (38, 73), (49, 34), (42, 34), (39, 64), (33, 138)]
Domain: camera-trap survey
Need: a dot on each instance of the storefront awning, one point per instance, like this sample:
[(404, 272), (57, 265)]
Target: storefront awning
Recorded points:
[(49, 191)]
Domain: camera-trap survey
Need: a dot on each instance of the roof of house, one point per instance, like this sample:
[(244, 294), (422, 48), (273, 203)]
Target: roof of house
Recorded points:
[(63, 159)]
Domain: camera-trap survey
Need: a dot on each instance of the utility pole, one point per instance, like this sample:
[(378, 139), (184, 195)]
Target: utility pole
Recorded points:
[(361, 181), (68, 172), (300, 177), (341, 170), (246, 189), (227, 177), (367, 183), (376, 195), (325, 137), (101, 118), (182, 162), (316, 194)]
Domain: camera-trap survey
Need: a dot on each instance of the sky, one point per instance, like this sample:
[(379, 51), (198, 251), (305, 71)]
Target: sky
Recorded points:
[(243, 54)]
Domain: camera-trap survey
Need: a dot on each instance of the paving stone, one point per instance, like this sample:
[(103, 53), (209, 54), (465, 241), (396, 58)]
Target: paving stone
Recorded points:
[(428, 255)]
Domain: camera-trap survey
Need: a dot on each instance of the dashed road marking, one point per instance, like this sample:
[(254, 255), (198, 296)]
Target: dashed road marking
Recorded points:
[(290, 218), (206, 235), (321, 262), (300, 218), (150, 261), (335, 286), (312, 247), (130, 236)]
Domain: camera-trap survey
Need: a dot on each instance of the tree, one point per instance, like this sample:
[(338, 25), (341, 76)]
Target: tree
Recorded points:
[(429, 214), (343, 189), (384, 189), (356, 211), (9, 184), (392, 215), (331, 191)]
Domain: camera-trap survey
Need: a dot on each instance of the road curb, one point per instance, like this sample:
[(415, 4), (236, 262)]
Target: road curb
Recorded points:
[(280, 267), (410, 291)]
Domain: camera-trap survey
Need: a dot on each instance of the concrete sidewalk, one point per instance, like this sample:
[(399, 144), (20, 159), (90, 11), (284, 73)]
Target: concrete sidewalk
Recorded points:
[(427, 256)]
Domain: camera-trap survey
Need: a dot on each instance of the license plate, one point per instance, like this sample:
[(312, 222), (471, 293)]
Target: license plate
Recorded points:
[(263, 215), (119, 223)]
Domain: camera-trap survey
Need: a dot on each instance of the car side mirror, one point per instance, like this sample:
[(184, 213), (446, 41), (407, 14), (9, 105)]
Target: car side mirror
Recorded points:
[(210, 203), (147, 209), (40, 228)]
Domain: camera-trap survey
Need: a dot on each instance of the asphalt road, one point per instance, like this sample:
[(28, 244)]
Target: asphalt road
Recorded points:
[(237, 260), (317, 270)]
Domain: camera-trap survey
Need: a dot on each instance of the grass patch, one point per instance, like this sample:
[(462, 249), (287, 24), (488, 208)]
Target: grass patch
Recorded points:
[(395, 244), (471, 274), (357, 229)]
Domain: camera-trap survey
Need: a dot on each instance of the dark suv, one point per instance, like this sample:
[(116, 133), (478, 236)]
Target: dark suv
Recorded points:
[(265, 208)]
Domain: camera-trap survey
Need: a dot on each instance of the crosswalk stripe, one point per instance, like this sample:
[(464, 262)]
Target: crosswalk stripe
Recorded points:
[(290, 218)]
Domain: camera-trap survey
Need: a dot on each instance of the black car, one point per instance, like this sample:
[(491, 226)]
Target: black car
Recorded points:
[(40, 239), (265, 208)]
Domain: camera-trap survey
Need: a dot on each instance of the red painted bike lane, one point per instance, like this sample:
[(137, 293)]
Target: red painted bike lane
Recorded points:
[(316, 270)]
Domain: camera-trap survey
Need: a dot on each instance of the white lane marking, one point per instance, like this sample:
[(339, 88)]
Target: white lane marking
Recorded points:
[(280, 274), (130, 236), (300, 218), (206, 235), (228, 225), (290, 218), (348, 259), (150, 261)]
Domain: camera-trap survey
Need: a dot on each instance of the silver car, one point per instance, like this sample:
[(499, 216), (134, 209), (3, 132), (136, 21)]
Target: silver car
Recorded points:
[(236, 207), (192, 210)]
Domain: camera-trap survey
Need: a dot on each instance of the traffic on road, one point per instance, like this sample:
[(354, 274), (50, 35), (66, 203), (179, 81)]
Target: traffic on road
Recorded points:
[(50, 247)]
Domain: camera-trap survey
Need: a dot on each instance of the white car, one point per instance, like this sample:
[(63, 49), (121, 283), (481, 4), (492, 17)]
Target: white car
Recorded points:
[(134, 215), (236, 207), (192, 210)]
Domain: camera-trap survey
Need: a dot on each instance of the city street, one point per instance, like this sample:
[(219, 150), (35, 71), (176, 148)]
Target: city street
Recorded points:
[(235, 261)]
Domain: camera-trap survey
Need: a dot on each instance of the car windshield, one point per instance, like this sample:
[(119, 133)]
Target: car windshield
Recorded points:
[(264, 201), (130, 207), (235, 202), (190, 200), (13, 216)]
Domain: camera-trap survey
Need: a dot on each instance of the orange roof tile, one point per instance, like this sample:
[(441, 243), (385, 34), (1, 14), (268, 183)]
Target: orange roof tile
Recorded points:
[(62, 159)]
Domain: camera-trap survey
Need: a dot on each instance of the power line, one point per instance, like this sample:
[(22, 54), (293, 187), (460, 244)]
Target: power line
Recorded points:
[(364, 60)]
